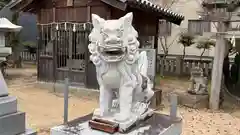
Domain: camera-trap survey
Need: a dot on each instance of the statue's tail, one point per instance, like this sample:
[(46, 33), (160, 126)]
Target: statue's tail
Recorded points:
[(143, 63)]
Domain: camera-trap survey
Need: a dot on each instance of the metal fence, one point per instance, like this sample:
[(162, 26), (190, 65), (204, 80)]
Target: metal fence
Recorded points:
[(63, 53), (77, 61), (27, 56)]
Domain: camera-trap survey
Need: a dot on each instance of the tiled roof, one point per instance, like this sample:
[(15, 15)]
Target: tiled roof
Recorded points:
[(163, 12)]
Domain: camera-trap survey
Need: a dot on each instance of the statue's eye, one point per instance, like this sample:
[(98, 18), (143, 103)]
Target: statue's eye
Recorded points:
[(119, 33), (104, 35)]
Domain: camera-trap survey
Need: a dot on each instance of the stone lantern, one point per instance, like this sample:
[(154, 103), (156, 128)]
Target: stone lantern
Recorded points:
[(5, 26), (12, 121)]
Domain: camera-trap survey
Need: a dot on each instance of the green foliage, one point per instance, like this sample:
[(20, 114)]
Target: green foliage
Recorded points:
[(29, 43), (31, 46), (14, 37), (233, 5), (3, 3), (186, 39), (205, 44)]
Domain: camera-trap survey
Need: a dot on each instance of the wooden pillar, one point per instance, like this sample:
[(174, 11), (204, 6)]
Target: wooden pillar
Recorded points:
[(217, 70), (54, 11), (38, 52), (55, 48), (156, 99), (88, 13), (156, 47), (156, 36)]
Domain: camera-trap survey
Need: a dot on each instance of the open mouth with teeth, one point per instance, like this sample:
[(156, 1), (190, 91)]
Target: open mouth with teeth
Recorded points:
[(113, 54)]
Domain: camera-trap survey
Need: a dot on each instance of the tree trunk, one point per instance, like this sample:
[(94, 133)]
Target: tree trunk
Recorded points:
[(184, 52), (15, 43), (163, 63), (17, 57), (202, 54)]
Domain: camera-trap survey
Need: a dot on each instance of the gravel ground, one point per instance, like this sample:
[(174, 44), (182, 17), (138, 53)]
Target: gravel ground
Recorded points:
[(45, 109), (198, 122)]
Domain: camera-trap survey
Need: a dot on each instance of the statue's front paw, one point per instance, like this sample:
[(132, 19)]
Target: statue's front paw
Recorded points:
[(100, 113), (191, 91), (139, 108), (97, 113), (121, 117), (115, 103)]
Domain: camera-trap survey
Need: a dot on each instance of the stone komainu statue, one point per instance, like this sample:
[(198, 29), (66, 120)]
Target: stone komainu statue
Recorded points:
[(199, 83), (119, 65)]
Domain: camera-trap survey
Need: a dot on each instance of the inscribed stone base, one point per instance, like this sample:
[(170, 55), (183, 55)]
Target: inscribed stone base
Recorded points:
[(8, 105), (12, 124), (158, 124), (193, 101)]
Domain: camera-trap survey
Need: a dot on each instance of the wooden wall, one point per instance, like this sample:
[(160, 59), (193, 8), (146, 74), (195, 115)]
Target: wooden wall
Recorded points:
[(80, 11), (145, 23)]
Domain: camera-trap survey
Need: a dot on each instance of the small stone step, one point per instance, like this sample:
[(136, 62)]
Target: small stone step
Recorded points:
[(12, 124), (8, 105)]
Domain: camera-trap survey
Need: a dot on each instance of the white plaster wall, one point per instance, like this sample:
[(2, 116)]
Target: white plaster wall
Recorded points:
[(189, 9)]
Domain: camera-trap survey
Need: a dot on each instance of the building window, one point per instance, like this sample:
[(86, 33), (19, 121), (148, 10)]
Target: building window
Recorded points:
[(165, 28), (197, 27)]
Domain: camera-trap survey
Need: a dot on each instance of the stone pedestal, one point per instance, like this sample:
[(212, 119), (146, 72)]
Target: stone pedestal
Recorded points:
[(123, 126), (158, 124), (8, 105), (12, 122), (193, 101)]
